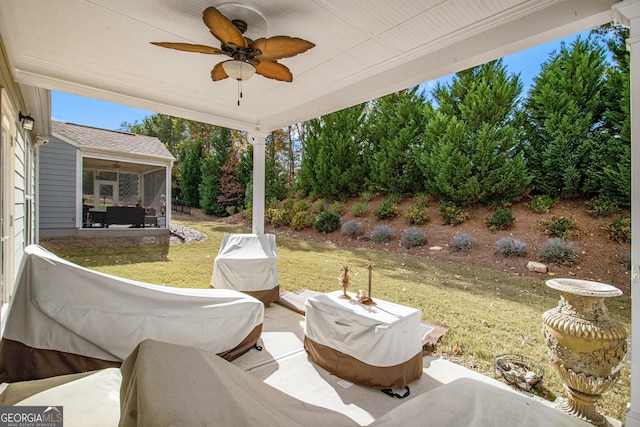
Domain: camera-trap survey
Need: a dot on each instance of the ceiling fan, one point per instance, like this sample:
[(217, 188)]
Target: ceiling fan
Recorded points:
[(248, 56)]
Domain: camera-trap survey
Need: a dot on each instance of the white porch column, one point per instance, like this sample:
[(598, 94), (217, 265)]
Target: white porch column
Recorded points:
[(628, 14), (257, 139)]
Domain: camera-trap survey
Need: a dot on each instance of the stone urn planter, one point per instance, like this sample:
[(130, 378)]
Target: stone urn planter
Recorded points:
[(586, 347)]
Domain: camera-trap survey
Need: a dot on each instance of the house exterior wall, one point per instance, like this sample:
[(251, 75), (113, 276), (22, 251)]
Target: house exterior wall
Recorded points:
[(57, 188), (17, 183)]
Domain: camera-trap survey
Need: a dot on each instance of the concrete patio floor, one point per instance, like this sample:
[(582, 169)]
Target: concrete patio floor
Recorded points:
[(283, 364)]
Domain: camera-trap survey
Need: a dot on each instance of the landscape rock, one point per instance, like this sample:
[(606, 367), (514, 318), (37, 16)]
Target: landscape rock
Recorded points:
[(537, 267), (436, 248)]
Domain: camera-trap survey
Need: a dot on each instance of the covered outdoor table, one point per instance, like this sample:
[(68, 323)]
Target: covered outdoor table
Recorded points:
[(373, 345), (248, 263)]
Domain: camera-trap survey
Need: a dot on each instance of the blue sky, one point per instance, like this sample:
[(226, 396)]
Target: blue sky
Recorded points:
[(92, 112)]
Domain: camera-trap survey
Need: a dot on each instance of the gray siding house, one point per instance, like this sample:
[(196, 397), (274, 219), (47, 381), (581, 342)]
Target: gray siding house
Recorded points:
[(92, 177)]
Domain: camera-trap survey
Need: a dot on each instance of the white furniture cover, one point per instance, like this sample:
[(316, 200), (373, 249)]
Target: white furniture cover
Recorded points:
[(67, 308), (386, 334), (246, 262)]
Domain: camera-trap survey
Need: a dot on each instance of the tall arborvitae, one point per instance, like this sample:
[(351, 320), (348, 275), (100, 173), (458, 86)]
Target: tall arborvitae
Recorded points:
[(565, 118), (396, 122), (221, 145), (332, 165), (608, 174), (190, 174), (471, 150)]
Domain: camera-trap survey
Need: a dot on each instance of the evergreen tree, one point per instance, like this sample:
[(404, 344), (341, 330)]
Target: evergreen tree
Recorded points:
[(471, 150), (396, 122), (332, 164), (211, 171), (190, 175), (565, 117), (609, 171)]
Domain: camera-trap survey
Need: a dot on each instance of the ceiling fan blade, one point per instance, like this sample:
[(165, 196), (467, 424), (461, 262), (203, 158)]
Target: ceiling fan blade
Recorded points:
[(273, 70), (280, 47), (187, 47), (222, 28), (218, 72)]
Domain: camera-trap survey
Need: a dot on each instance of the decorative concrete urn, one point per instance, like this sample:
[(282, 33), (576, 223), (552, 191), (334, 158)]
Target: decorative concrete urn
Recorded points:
[(586, 347)]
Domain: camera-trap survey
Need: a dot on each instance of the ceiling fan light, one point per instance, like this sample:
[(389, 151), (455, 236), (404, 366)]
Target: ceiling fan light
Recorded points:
[(238, 70)]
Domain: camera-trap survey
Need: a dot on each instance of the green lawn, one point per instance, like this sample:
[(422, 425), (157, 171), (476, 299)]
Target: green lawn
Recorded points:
[(489, 312)]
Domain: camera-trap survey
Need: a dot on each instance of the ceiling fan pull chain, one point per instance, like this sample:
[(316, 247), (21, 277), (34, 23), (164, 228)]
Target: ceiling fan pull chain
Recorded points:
[(239, 91)]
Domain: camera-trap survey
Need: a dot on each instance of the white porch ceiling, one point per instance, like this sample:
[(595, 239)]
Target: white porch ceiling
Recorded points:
[(364, 49)]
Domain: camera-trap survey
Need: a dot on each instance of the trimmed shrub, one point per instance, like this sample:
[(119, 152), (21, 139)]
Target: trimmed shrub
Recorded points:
[(501, 219), (326, 222), (417, 215), (510, 247), (422, 200), (601, 206), (360, 209), (564, 227), (541, 203), (337, 208), (413, 236), (366, 196), (462, 242), (619, 228), (288, 204), (395, 198), (452, 214), (382, 234), (300, 206), (352, 228), (301, 220), (318, 206), (386, 210), (558, 251), (277, 217)]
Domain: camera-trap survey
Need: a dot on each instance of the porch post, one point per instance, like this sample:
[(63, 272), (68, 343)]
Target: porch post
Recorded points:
[(257, 139), (628, 14)]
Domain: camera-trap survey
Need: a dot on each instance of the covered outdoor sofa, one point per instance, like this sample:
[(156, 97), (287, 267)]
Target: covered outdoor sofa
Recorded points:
[(64, 318), (162, 384)]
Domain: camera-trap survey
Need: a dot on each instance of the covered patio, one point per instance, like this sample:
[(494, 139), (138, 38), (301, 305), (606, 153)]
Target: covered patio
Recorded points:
[(363, 50)]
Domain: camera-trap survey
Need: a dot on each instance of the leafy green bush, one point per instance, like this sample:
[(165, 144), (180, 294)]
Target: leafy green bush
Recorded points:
[(417, 215), (326, 222), (352, 228), (386, 210), (318, 206), (510, 247), (619, 228), (277, 217), (558, 251), (462, 242), (366, 196), (413, 236), (395, 198), (541, 203), (337, 208), (247, 213), (288, 204), (301, 220), (452, 214), (382, 234), (501, 219), (564, 227), (360, 209), (602, 206), (300, 206), (422, 200)]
